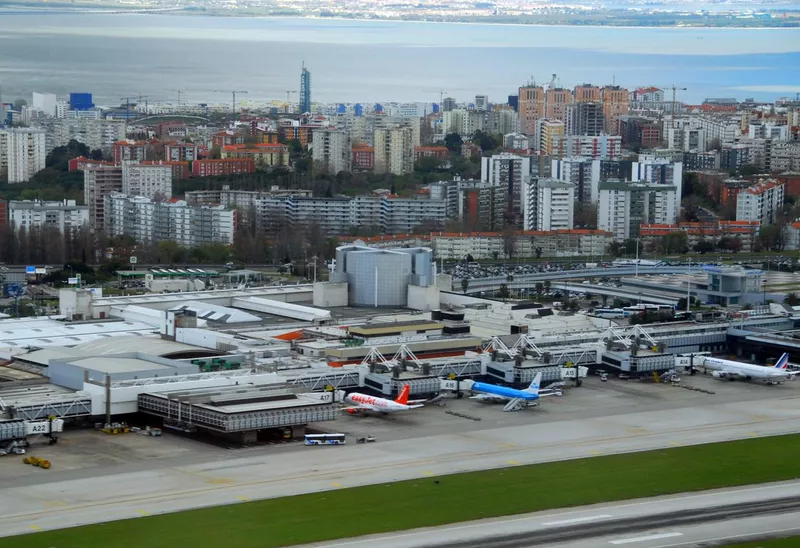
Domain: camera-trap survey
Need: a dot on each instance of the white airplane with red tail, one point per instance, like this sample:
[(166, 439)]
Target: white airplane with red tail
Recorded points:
[(361, 403)]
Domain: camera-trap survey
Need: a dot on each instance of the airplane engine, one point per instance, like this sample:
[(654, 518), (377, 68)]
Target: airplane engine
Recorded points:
[(352, 411), (717, 375)]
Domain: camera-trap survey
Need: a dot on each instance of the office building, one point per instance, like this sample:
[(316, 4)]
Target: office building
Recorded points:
[(531, 108), (331, 150), (152, 181), (80, 101), (394, 150), (22, 153), (624, 206), (585, 118), (65, 215), (46, 103), (448, 104), (481, 103), (510, 172), (549, 133), (98, 182), (305, 90), (147, 221), (761, 202), (548, 204)]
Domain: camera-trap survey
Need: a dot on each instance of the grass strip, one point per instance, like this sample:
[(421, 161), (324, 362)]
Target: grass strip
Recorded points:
[(436, 501), (789, 542)]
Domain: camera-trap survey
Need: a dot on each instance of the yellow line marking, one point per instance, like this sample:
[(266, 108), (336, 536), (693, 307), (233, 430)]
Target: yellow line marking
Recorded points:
[(427, 473), (142, 512), (36, 527), (337, 484), (436, 460), (674, 443), (243, 499), (596, 452), (515, 463), (637, 430), (752, 434), (507, 444), (220, 481)]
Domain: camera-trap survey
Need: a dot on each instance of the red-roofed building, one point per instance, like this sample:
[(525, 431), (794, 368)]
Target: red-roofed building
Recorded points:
[(180, 152), (363, 157), (430, 152), (130, 150), (761, 202), (180, 170), (80, 163), (745, 232), (272, 155), (227, 166)]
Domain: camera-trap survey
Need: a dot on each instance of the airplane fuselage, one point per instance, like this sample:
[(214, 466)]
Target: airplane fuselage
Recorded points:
[(380, 404), (756, 372), (503, 392)]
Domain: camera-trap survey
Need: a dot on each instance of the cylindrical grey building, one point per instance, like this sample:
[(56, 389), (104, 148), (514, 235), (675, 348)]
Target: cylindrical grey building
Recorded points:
[(380, 277)]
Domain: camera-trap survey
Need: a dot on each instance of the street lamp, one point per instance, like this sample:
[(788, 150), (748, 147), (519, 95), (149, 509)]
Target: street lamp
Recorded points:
[(637, 257)]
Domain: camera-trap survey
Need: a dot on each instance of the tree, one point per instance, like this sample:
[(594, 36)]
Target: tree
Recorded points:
[(728, 243), (547, 285), (792, 299), (427, 164), (539, 288), (484, 141), (703, 246), (749, 170), (504, 293), (453, 141), (771, 237), (464, 285), (509, 241), (585, 215), (681, 305), (675, 242)]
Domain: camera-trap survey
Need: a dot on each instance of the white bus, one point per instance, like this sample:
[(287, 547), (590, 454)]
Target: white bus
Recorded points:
[(325, 439), (610, 313), (641, 308)]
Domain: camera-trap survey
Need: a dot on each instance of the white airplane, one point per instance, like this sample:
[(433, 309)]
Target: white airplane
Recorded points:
[(363, 402), (727, 369)]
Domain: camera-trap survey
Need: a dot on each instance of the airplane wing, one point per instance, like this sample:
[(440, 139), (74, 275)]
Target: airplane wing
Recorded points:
[(415, 406), (416, 402)]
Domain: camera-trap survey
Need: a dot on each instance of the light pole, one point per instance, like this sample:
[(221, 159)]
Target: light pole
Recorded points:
[(637, 257)]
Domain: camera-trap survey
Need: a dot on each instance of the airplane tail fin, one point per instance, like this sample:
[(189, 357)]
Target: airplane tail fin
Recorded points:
[(783, 361), (534, 387), (403, 397)]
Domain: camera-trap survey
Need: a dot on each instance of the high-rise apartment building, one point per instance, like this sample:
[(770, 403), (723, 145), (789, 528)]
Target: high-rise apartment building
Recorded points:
[(761, 202), (581, 172), (502, 120), (448, 104), (602, 147), (615, 101), (147, 221), (510, 172), (531, 108), (624, 206), (548, 204), (305, 90), (479, 205), (98, 182), (394, 150), (331, 150), (556, 102), (481, 103), (548, 136), (65, 215), (22, 153), (403, 215), (586, 93), (585, 118), (148, 180)]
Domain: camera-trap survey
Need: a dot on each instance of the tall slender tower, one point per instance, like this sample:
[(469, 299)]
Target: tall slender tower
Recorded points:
[(305, 90)]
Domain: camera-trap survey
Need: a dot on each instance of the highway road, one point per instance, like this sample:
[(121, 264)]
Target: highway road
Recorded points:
[(682, 520), (66, 498)]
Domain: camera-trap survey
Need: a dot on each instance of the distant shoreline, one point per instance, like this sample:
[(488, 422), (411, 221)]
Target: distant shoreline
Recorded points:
[(19, 10)]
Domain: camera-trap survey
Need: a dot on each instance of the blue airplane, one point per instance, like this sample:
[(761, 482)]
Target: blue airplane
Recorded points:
[(515, 399)]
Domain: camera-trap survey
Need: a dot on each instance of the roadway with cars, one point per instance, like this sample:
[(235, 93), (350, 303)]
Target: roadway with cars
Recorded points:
[(97, 494), (679, 520)]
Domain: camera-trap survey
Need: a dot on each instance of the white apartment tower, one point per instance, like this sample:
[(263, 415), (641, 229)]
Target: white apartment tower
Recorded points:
[(509, 171), (394, 150), (761, 202), (624, 206), (22, 153), (331, 150), (148, 180), (549, 205)]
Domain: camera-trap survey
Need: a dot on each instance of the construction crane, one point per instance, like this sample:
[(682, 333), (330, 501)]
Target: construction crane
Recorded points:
[(675, 90), (233, 93), (146, 105), (127, 106), (288, 92), (179, 92)]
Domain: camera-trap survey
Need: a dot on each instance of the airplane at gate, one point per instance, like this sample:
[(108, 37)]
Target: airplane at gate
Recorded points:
[(363, 402), (515, 398), (727, 369)]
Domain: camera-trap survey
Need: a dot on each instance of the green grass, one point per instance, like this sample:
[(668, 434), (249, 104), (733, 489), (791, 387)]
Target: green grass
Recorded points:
[(423, 502), (790, 542)]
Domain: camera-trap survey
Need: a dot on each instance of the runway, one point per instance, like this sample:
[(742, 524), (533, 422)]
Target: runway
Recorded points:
[(63, 499), (682, 520)]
